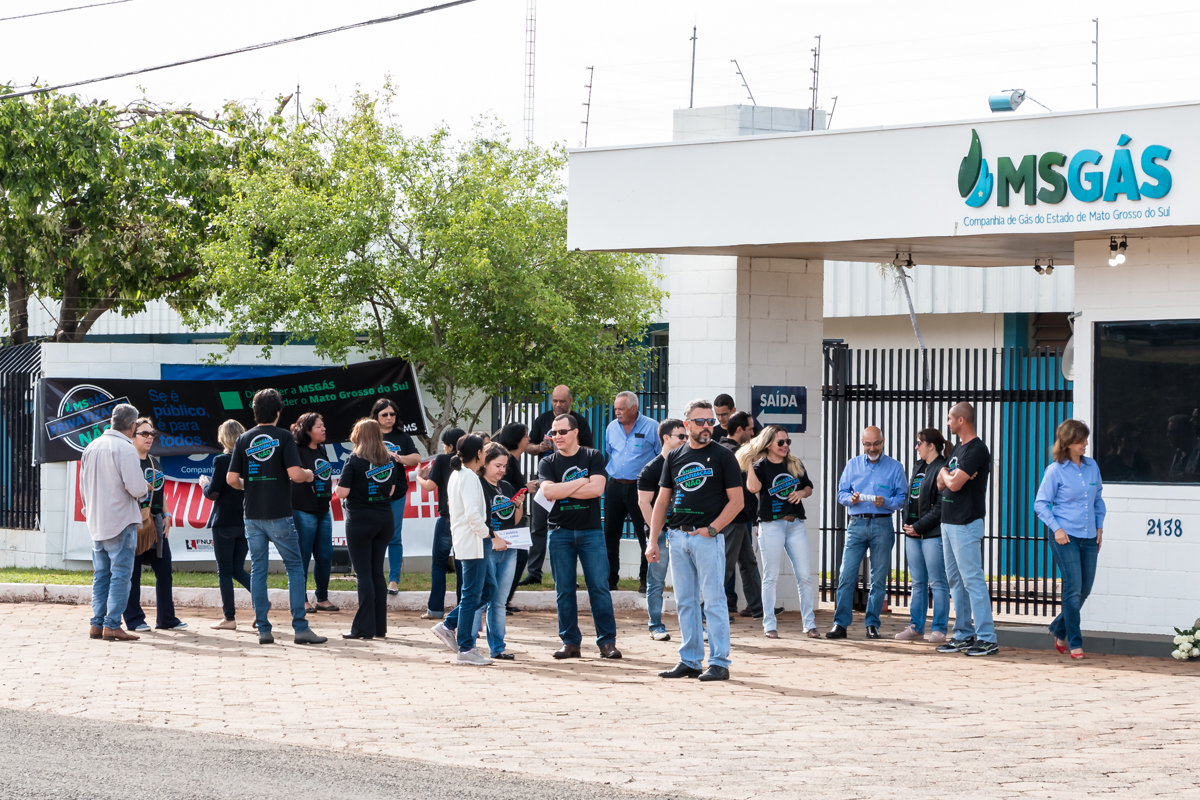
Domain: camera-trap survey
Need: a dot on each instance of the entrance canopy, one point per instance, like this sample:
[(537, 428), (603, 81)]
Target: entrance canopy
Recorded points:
[(990, 192)]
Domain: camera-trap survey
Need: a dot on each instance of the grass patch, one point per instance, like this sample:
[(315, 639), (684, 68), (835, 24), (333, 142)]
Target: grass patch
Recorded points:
[(409, 581)]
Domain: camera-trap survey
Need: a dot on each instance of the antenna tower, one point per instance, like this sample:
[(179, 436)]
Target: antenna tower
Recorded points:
[(1096, 63), (692, 90), (588, 105), (738, 67), (530, 41), (816, 79)]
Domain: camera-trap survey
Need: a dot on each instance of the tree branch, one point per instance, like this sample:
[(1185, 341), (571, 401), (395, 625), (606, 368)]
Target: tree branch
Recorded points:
[(379, 323), (94, 314)]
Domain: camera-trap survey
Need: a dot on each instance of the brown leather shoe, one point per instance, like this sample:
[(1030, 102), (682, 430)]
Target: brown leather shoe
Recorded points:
[(567, 651), (119, 635), (94, 632), (609, 651)]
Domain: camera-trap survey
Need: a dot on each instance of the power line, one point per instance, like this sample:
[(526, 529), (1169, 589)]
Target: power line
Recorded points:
[(61, 10), (240, 50)]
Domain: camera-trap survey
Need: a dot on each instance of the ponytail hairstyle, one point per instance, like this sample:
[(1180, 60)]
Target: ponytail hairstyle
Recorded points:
[(756, 449), (492, 451), (934, 437), (468, 449), (367, 437)]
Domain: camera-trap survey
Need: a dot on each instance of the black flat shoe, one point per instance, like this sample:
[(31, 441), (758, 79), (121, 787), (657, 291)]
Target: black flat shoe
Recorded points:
[(873, 632), (354, 636), (680, 670), (504, 656), (836, 632)]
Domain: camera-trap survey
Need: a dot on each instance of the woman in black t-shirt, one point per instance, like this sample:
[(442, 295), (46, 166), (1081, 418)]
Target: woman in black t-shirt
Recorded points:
[(923, 541), (135, 618), (515, 438), (781, 482), (402, 450), (228, 525), (310, 507), (503, 515), (368, 481)]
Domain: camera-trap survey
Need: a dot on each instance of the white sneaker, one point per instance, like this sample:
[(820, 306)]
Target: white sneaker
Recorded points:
[(937, 637), (448, 637), (660, 636), (224, 625), (142, 628), (473, 658), (909, 634)]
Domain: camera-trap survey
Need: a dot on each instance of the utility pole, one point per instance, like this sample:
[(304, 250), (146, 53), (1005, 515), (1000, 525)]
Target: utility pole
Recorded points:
[(1096, 63), (588, 105), (297, 104), (816, 76), (530, 42), (692, 90), (743, 77)]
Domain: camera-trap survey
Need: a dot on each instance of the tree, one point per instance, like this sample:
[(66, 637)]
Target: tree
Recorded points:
[(103, 207), (356, 237)]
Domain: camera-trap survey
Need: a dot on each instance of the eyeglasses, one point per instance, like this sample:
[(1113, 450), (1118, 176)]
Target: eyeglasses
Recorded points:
[(873, 444), (562, 432), (782, 442), (387, 413), (676, 435), (147, 434), (702, 422)]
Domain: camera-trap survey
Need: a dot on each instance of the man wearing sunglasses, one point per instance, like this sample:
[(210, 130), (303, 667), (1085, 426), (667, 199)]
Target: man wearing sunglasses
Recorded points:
[(699, 495), (671, 434), (573, 477)]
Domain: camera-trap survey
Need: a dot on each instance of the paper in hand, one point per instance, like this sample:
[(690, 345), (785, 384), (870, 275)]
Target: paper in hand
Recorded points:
[(517, 538), (543, 501)]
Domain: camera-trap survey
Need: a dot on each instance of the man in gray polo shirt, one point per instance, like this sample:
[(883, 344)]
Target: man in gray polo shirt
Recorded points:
[(111, 483)]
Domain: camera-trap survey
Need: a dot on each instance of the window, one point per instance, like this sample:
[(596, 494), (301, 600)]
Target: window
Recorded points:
[(1147, 399)]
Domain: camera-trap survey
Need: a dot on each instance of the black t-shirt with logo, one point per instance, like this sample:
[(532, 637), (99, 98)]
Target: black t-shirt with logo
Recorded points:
[(502, 512), (440, 473), (777, 486), (969, 503), (154, 476), (313, 498), (913, 511), (571, 512), (400, 442), (262, 457), (649, 477), (700, 479), (370, 487)]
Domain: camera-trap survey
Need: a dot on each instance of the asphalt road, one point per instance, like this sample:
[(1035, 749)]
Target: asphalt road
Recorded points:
[(50, 756)]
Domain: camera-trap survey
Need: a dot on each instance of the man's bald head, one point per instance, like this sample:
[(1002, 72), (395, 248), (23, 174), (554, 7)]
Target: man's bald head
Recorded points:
[(961, 419), (561, 400), (872, 442)]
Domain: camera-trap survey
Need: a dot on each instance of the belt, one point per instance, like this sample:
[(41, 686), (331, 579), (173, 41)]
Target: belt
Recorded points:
[(789, 517), (622, 480), (869, 516)]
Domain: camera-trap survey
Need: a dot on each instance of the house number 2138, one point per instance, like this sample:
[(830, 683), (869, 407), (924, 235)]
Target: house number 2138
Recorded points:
[(1164, 527)]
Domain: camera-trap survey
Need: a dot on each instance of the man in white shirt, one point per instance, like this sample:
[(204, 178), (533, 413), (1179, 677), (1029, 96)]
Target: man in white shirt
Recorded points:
[(111, 483)]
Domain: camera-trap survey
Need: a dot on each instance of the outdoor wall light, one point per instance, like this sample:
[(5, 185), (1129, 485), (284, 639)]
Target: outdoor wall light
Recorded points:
[(1117, 251), (1046, 269), (903, 260), (1009, 100)]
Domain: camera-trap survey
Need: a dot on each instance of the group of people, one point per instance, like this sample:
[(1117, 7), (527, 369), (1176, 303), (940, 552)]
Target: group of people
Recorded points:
[(697, 490)]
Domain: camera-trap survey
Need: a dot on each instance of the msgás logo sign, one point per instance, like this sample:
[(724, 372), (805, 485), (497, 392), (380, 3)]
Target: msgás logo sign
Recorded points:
[(976, 180)]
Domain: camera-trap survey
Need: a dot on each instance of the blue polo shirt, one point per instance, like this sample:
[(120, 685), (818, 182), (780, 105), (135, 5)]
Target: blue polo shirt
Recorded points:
[(883, 477), (628, 454), (1070, 498)]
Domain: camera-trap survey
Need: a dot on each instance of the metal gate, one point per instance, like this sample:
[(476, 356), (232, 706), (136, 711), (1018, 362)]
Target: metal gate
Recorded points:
[(20, 483), (1020, 398)]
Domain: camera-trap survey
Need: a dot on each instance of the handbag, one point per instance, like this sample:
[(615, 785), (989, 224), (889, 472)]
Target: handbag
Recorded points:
[(147, 532)]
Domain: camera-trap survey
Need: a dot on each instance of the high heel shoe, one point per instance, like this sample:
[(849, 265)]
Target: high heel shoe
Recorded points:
[(1076, 656), (1061, 648)]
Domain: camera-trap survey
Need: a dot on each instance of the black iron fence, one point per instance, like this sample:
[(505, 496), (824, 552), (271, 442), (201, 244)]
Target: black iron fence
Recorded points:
[(1020, 397), (20, 483)]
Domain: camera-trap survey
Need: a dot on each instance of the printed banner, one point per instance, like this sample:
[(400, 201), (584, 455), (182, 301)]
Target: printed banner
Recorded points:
[(190, 536), (188, 413)]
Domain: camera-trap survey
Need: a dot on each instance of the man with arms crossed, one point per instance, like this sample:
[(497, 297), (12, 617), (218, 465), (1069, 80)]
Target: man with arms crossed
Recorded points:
[(631, 446), (267, 455), (963, 482), (111, 483), (670, 436), (699, 495)]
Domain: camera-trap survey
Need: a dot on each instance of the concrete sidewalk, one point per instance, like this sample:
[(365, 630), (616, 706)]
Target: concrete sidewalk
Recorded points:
[(801, 717)]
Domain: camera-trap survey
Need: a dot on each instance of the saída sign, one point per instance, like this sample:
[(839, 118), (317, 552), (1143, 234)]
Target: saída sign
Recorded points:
[(1083, 175)]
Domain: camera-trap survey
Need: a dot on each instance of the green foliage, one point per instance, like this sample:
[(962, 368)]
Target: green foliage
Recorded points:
[(103, 207), (358, 238)]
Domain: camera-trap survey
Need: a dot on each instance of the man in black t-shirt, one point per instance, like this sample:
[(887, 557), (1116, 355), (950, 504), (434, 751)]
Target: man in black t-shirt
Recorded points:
[(264, 463), (963, 482), (561, 400), (670, 436), (573, 477), (739, 536), (700, 493)]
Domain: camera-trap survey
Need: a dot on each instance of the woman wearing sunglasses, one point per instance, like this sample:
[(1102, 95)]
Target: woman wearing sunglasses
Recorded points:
[(400, 445), (923, 541), (781, 483)]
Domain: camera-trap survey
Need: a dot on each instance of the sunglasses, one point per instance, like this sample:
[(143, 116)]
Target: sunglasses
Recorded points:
[(676, 435), (782, 442), (562, 432), (387, 413), (703, 422), (147, 434)]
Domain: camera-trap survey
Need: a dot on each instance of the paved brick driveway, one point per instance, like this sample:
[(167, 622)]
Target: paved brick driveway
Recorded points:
[(801, 718)]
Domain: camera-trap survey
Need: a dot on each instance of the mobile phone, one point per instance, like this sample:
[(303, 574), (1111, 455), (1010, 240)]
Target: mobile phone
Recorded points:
[(519, 496)]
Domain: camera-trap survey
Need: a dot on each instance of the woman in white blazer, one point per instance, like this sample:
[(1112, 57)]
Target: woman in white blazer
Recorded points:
[(472, 540)]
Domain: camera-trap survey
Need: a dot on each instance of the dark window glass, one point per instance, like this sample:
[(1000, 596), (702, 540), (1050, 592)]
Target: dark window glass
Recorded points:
[(1147, 383)]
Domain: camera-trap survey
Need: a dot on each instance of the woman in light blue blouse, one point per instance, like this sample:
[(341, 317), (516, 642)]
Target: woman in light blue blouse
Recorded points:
[(1069, 502)]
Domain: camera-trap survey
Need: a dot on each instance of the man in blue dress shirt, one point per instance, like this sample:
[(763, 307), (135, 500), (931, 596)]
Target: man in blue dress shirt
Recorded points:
[(872, 488), (632, 443)]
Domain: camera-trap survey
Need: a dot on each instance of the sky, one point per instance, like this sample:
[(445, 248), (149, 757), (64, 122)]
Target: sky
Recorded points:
[(887, 63)]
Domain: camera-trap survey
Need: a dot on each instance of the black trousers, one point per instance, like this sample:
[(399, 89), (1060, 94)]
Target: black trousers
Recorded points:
[(230, 548), (367, 540), (164, 603), (537, 552), (621, 503), (739, 553)]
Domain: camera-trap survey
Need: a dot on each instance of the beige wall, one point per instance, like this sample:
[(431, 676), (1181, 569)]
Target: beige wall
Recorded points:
[(939, 330)]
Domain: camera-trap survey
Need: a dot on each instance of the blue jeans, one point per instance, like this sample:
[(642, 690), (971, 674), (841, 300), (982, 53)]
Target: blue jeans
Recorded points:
[(396, 545), (1077, 565), (774, 538), (281, 533), (476, 585), (587, 548), (112, 565), (316, 542), (443, 543), (876, 535), (656, 581), (698, 568), (927, 569), (502, 567), (963, 550)]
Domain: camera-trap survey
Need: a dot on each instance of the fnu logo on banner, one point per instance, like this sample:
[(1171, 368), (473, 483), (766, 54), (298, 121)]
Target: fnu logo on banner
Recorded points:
[(976, 180)]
